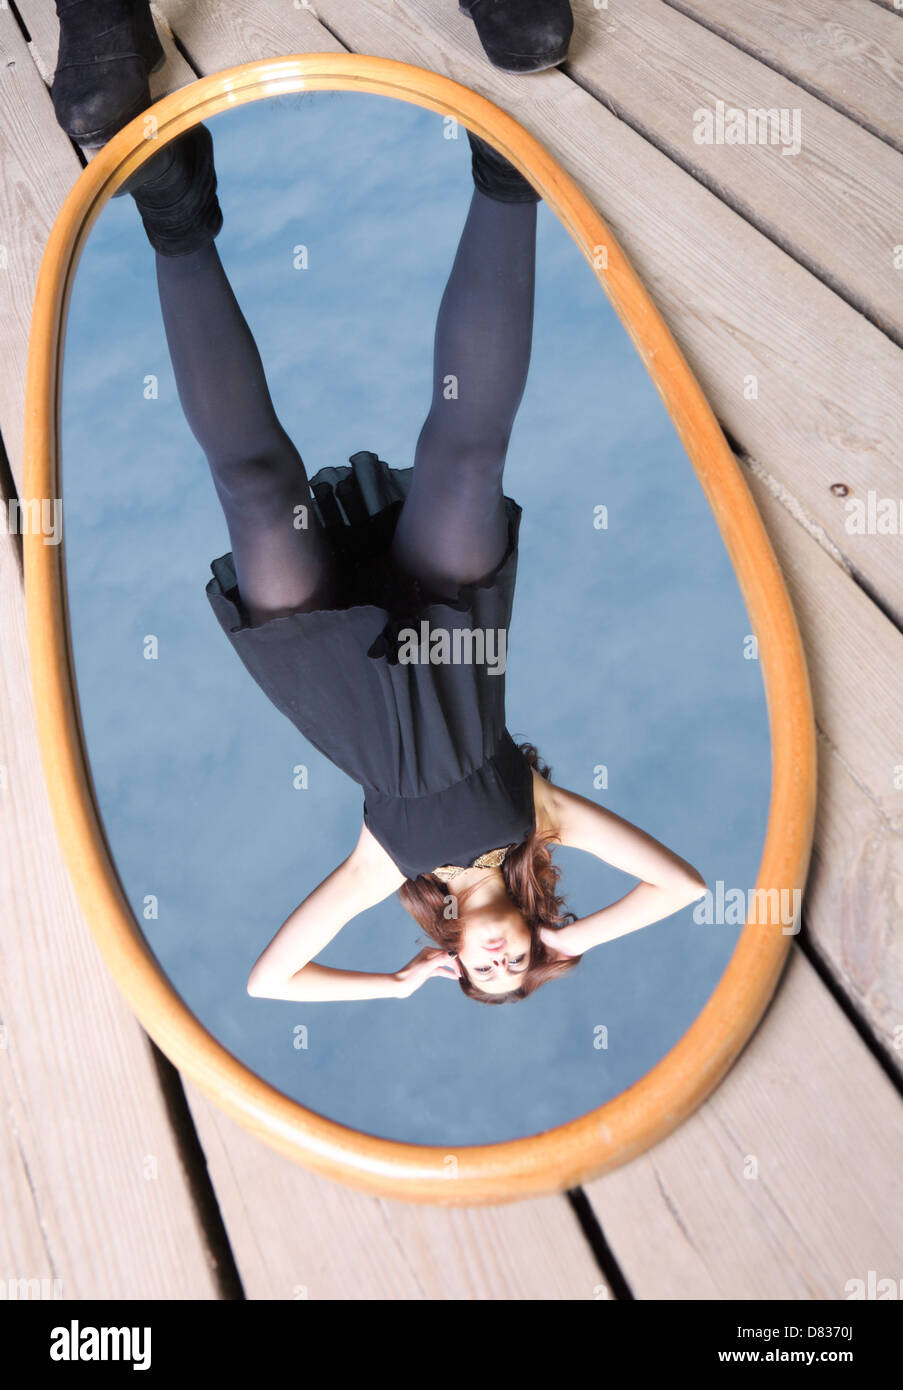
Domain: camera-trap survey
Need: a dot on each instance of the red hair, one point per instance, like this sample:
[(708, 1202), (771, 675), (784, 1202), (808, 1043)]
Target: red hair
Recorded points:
[(532, 883)]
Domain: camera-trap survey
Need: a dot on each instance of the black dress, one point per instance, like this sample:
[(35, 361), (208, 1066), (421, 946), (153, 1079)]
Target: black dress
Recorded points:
[(443, 780)]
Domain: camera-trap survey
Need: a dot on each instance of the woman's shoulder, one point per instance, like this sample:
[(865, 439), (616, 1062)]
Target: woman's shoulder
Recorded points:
[(545, 806), (369, 857)]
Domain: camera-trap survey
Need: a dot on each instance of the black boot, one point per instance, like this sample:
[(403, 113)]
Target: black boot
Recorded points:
[(496, 176), (522, 35), (176, 195), (107, 49)]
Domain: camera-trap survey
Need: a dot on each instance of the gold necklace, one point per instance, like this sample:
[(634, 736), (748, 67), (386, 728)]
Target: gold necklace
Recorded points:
[(491, 860)]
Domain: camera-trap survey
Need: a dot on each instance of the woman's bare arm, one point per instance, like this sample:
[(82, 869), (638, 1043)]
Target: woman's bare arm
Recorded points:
[(285, 969), (668, 881)]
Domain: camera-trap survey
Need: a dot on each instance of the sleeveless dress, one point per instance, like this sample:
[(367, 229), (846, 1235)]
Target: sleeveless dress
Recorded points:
[(443, 780)]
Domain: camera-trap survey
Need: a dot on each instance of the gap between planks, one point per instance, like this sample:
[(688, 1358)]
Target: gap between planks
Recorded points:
[(847, 53), (831, 203)]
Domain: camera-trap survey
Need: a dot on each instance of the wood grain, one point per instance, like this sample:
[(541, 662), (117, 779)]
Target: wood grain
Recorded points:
[(848, 52), (854, 893), (297, 1235), (785, 1185), (832, 201)]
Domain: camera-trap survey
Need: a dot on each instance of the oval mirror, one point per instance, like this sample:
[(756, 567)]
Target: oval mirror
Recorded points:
[(328, 781)]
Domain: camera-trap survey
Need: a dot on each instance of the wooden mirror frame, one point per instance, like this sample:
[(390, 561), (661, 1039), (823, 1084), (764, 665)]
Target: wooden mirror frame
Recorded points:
[(652, 1107)]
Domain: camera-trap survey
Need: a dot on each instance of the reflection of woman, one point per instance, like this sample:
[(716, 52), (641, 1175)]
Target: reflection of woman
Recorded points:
[(328, 579)]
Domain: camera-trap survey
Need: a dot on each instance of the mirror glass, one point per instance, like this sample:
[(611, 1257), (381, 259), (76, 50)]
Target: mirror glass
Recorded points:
[(628, 662)]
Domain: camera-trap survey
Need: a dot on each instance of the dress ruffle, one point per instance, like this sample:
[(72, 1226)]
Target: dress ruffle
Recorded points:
[(359, 507)]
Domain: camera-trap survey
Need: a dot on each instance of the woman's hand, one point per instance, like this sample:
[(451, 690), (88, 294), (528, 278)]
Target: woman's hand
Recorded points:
[(557, 939), (430, 961)]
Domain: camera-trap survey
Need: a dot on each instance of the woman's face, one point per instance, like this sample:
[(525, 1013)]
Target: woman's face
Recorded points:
[(495, 947)]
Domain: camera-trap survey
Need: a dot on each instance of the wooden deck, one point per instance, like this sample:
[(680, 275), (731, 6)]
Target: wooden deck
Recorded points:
[(122, 1182)]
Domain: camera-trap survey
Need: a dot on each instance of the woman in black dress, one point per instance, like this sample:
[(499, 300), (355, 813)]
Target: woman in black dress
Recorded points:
[(373, 604)]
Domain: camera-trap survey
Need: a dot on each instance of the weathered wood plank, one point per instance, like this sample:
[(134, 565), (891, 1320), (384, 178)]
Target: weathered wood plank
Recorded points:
[(297, 1235), (854, 894), (97, 1175), (219, 36), (37, 168), (821, 187), (24, 1253), (848, 52), (785, 1184)]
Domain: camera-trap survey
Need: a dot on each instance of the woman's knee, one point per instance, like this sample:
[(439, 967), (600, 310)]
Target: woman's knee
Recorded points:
[(265, 486)]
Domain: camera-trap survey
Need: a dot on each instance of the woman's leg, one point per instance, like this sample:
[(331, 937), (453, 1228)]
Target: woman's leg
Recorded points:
[(281, 565), (452, 528)]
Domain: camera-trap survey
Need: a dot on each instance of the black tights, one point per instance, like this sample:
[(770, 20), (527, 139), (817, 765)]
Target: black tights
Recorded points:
[(452, 528)]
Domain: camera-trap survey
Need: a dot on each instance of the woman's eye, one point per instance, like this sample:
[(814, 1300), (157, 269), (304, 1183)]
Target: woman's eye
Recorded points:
[(516, 960), (483, 969)]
